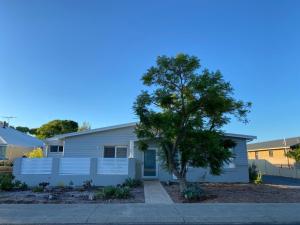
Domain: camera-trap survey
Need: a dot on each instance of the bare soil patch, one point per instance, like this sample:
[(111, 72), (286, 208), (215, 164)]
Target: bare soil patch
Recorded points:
[(238, 193), (66, 196)]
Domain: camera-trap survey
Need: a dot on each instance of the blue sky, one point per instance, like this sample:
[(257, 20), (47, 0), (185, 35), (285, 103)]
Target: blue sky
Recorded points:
[(82, 60)]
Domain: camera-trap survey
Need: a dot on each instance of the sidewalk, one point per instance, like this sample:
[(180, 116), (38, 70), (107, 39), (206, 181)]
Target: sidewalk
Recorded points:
[(149, 213), (155, 193)]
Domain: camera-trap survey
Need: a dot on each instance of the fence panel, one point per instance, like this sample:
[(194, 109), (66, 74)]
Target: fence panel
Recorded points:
[(118, 166), (74, 166), (36, 166), (269, 169)]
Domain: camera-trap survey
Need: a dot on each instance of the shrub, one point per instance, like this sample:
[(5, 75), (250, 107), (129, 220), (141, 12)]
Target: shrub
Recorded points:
[(255, 175), (20, 185), (192, 192), (35, 153), (44, 184), (6, 182), (87, 184), (132, 183), (61, 184), (112, 192), (37, 189)]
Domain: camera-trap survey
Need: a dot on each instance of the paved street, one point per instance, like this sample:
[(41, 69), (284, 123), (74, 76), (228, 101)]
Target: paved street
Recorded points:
[(150, 213), (267, 179)]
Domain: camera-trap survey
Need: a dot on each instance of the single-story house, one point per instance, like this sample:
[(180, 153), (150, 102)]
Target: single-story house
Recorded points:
[(14, 144), (274, 151), (120, 142)]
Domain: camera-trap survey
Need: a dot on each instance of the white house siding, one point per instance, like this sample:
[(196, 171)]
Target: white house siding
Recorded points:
[(91, 145), (54, 154)]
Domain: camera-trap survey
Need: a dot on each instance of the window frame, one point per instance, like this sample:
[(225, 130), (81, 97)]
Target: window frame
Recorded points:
[(5, 152), (58, 147), (256, 155), (115, 151), (231, 163), (271, 153)]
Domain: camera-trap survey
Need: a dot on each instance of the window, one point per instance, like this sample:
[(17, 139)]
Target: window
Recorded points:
[(109, 152), (230, 164), (2, 152), (115, 152), (256, 155), (270, 153), (56, 148)]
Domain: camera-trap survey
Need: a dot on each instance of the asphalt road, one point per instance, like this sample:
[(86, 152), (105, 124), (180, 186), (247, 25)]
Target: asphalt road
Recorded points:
[(267, 179)]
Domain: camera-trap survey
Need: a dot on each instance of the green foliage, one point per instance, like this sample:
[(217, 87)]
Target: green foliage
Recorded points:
[(37, 189), (111, 192), (87, 184), (132, 183), (6, 182), (44, 184), (56, 127), (84, 126), (294, 154), (192, 192), (35, 153), (23, 129), (20, 185), (254, 175), (184, 110)]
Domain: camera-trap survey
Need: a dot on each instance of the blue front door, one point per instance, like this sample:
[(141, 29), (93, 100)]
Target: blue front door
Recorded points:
[(150, 166)]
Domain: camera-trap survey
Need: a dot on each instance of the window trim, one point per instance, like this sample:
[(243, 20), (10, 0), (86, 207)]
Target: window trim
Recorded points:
[(271, 153), (231, 163), (57, 149), (5, 152), (115, 149)]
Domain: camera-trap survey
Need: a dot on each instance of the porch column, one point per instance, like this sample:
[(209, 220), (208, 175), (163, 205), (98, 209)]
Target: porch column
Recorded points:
[(131, 149)]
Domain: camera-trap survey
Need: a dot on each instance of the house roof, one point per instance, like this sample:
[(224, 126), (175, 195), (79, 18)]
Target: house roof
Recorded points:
[(279, 143), (247, 137), (10, 136)]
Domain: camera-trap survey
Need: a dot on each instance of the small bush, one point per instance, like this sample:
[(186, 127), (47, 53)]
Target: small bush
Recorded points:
[(21, 185), (44, 184), (192, 192), (132, 183), (255, 175), (35, 153), (87, 184), (37, 189), (61, 184), (6, 182), (112, 192)]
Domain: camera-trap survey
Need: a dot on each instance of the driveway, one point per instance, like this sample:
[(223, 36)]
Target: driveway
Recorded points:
[(267, 179)]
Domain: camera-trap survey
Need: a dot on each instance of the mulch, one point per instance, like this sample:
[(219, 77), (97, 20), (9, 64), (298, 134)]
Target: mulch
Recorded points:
[(239, 193)]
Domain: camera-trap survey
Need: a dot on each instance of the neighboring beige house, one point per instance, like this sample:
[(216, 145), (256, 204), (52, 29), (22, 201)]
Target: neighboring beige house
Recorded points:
[(14, 144), (274, 151)]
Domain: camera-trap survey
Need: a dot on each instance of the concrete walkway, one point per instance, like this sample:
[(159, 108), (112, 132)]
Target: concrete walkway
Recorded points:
[(155, 193), (242, 213)]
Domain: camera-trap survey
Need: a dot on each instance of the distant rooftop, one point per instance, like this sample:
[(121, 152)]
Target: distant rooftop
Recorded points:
[(279, 143), (11, 136)]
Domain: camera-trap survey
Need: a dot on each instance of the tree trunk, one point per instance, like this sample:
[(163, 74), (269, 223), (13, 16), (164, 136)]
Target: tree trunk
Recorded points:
[(182, 183)]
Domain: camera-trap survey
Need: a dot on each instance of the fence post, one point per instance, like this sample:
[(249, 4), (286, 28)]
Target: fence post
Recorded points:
[(17, 167)]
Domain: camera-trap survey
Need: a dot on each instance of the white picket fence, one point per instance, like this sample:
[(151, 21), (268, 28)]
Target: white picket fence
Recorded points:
[(75, 166)]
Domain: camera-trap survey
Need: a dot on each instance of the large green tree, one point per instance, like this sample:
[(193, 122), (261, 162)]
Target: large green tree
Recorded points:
[(56, 127), (184, 109)]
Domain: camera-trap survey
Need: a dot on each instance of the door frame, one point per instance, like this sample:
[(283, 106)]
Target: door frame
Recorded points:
[(156, 165)]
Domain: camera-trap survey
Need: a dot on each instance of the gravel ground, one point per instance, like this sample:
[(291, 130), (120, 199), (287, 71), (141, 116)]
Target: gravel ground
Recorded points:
[(68, 196), (235, 193)]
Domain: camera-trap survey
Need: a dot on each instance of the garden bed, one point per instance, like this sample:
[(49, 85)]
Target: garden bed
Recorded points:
[(67, 196), (237, 193)]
